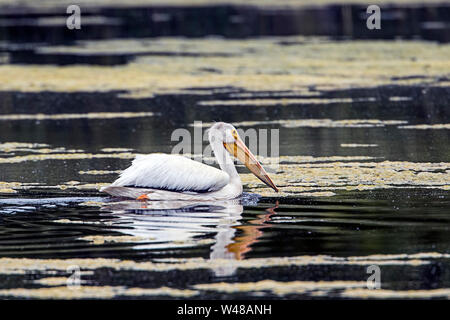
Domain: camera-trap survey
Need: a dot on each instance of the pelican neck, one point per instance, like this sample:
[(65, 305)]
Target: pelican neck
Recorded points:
[(222, 156)]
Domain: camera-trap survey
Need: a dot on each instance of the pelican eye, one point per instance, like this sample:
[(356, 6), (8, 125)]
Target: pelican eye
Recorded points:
[(235, 134)]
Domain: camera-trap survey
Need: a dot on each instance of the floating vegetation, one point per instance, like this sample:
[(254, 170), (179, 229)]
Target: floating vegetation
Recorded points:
[(12, 187), (7, 190), (427, 126), (66, 156), (358, 145), (85, 292), (116, 149), (56, 286), (12, 147), (91, 204), (314, 123), (57, 289), (24, 265), (253, 66), (100, 172), (116, 239), (318, 194), (283, 94), (100, 240), (396, 294), (91, 186), (339, 209), (399, 99), (295, 179), (282, 101), (294, 175), (281, 288), (310, 159), (54, 281), (68, 221), (68, 116)]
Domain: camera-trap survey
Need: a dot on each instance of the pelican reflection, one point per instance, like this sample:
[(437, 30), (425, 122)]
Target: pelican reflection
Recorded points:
[(177, 224)]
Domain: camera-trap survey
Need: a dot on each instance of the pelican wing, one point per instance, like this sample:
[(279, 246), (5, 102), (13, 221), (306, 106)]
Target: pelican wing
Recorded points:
[(171, 172)]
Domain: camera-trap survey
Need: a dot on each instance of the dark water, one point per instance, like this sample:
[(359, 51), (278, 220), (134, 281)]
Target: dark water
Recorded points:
[(21, 28), (426, 21), (50, 224), (404, 230)]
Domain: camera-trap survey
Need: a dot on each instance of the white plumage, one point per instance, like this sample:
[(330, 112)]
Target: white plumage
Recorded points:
[(160, 176), (171, 172)]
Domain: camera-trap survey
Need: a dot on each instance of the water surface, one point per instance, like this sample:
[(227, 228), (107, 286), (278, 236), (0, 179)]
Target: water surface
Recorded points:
[(364, 168)]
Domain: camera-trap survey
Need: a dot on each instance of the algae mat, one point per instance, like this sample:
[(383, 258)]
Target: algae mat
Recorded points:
[(251, 65), (362, 167)]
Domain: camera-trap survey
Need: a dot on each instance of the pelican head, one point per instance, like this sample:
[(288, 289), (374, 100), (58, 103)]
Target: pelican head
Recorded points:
[(226, 135)]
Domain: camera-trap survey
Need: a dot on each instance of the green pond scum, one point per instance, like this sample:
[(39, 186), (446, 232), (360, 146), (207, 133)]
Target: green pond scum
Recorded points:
[(362, 164)]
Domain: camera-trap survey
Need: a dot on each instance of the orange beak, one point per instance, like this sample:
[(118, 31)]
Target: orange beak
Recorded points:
[(240, 151)]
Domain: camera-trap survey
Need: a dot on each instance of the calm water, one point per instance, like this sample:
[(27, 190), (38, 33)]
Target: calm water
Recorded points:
[(57, 219)]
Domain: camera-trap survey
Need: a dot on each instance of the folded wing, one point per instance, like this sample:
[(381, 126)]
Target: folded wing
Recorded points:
[(171, 172)]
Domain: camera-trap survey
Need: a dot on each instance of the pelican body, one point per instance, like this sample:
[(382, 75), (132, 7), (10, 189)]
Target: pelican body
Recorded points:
[(159, 176)]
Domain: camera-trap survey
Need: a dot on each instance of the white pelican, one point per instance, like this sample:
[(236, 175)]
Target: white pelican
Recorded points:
[(160, 176)]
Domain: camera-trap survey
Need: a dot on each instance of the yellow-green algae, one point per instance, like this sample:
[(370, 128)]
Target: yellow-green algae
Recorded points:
[(55, 287), (255, 65), (293, 179), (99, 292), (304, 92), (99, 240), (294, 175), (115, 239), (99, 172), (395, 294), (12, 147), (91, 204), (281, 101), (25, 265), (115, 149), (66, 221), (427, 126), (54, 281), (12, 187), (66, 156), (291, 159), (280, 288), (358, 145), (314, 123), (67, 116)]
